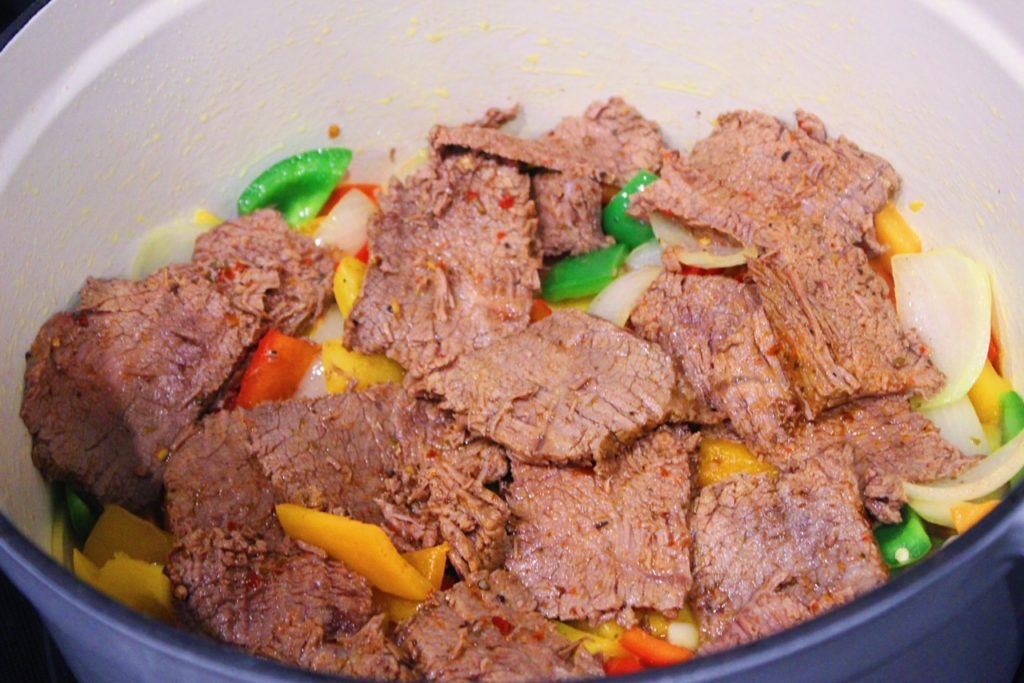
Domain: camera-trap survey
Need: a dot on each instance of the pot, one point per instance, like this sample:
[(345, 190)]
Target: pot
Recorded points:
[(117, 117)]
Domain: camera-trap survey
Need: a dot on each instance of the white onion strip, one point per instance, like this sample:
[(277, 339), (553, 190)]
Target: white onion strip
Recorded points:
[(616, 302)]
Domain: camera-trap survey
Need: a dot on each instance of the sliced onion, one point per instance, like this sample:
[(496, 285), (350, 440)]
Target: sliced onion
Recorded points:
[(683, 634), (330, 326), (941, 511), (164, 246), (647, 254), (947, 298), (981, 480), (959, 425), (617, 300), (710, 250), (314, 384), (344, 228)]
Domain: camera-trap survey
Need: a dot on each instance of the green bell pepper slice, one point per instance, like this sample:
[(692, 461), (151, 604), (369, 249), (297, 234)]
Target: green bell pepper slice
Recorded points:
[(81, 516), (298, 186), (904, 543), (619, 224), (584, 275), (1012, 408)]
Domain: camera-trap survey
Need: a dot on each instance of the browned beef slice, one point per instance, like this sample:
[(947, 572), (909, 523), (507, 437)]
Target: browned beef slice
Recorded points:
[(487, 629), (569, 389), (771, 551), (839, 338), (452, 268), (368, 653), (891, 444), (569, 214), (588, 545), (378, 456), (109, 386), (264, 241), (724, 353), (273, 600)]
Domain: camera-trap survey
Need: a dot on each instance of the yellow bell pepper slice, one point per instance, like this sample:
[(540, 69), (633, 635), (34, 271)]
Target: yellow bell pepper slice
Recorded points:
[(364, 548), (966, 515), (986, 392), (343, 367), (119, 531), (592, 643), (579, 304), (348, 283), (430, 562), (720, 459), (85, 569), (894, 232), (134, 583)]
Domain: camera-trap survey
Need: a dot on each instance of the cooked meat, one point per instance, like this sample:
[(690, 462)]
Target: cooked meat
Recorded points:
[(839, 338), (275, 601), (631, 515), (568, 213), (300, 271), (109, 387), (452, 268), (486, 628), (891, 444), (378, 456), (570, 389), (771, 551), (496, 117), (723, 350), (368, 653)]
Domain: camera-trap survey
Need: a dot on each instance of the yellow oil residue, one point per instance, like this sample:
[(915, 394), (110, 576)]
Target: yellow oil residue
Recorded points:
[(822, 98), (544, 41), (435, 37), (564, 71), (412, 31), (689, 87), (916, 205), (204, 216), (387, 100), (980, 219), (442, 92), (533, 59), (990, 206), (484, 25)]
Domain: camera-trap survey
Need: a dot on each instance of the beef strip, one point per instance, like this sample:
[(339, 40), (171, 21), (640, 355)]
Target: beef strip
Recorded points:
[(378, 456), (568, 213), (631, 515), (569, 389), (769, 552), (891, 444), (839, 338), (487, 629), (369, 653), (276, 601), (723, 350), (109, 386), (263, 241), (451, 268)]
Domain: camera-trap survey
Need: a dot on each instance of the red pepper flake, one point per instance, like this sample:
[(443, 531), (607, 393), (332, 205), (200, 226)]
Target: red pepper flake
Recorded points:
[(333, 131), (433, 454), (364, 253), (502, 625), (539, 310), (665, 473), (507, 202), (502, 235), (229, 273), (773, 350), (472, 196), (253, 581), (539, 636)]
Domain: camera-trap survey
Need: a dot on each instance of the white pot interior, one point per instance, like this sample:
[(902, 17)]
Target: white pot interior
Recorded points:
[(117, 117)]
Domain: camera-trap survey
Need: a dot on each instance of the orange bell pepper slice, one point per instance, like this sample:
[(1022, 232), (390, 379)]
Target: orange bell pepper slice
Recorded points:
[(276, 369), (620, 666), (653, 651)]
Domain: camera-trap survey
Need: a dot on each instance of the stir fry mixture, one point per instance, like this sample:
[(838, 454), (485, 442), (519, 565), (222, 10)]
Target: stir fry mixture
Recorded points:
[(543, 408)]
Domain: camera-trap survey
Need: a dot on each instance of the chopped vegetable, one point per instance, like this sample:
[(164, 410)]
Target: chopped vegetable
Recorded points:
[(348, 283), (576, 304), (621, 666), (298, 186), (331, 326), (683, 634), (904, 543), (1012, 408), (592, 642), (720, 459), (894, 232), (344, 228), (959, 425), (986, 392), (276, 370), (119, 531), (991, 473), (647, 254), (619, 224), (346, 369), (138, 584), (84, 568), (609, 629), (80, 515), (710, 250), (364, 548), (539, 310), (584, 275), (616, 302), (947, 298), (936, 512), (656, 624), (966, 515), (430, 562), (653, 651)]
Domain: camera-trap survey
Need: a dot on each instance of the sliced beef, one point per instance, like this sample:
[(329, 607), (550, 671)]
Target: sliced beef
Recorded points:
[(379, 456), (369, 653), (109, 386), (569, 214), (487, 629), (571, 388), (452, 268), (891, 443), (771, 551), (275, 601), (839, 338), (632, 515), (723, 350), (301, 272)]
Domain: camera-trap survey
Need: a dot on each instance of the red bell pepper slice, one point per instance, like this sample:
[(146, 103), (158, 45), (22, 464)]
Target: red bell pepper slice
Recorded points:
[(652, 650), (276, 369), (620, 666)]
